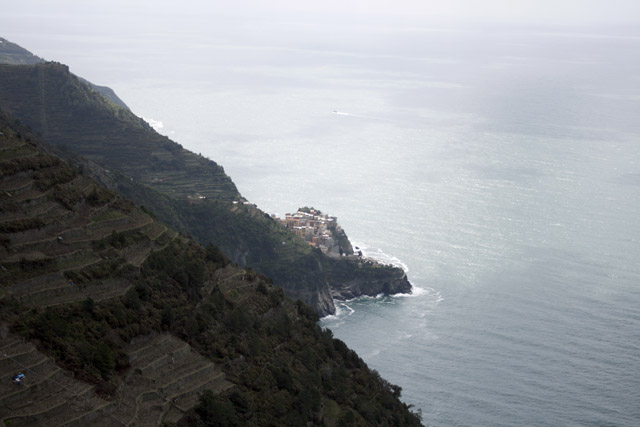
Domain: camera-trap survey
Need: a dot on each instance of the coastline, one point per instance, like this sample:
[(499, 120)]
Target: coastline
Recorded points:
[(381, 278)]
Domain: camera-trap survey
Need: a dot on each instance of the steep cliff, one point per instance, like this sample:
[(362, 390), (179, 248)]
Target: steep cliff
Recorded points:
[(375, 279)]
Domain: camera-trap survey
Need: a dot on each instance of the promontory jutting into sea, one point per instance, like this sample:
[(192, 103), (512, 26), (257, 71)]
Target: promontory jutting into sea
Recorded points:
[(497, 165)]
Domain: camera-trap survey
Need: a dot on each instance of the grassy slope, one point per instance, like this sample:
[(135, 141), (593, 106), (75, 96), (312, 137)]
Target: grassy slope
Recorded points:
[(131, 307)]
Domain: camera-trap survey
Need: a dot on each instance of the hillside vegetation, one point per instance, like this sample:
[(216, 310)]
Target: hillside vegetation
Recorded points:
[(187, 191), (114, 318), (11, 53)]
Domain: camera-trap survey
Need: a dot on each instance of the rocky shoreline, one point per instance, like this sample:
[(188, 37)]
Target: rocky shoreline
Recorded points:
[(379, 279), (383, 285)]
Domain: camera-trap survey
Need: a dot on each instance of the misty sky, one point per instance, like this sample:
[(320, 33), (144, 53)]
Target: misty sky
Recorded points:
[(572, 12)]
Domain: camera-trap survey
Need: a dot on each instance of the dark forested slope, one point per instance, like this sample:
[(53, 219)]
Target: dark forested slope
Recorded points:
[(113, 318)]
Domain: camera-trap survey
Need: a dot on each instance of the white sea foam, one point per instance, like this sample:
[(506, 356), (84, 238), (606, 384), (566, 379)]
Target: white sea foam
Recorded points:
[(334, 316), (417, 291), (384, 258), (380, 256), (351, 310), (157, 125), (342, 310), (378, 296)]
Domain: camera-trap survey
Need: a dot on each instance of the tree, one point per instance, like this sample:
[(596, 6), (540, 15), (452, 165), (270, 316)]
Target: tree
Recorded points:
[(214, 412)]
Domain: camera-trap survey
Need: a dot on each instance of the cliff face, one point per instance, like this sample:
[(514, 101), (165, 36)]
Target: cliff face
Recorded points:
[(386, 284), (189, 192), (371, 279)]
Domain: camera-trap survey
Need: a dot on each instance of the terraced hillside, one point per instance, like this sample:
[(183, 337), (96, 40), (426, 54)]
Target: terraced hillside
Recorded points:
[(165, 380), (63, 234), (187, 191), (64, 241), (66, 111), (168, 378), (113, 318), (47, 395)]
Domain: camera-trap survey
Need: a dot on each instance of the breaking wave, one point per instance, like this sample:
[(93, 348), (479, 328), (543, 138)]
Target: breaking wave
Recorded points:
[(380, 256), (157, 125)]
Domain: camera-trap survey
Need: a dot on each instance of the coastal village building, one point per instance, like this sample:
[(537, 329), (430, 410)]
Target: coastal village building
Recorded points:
[(316, 228)]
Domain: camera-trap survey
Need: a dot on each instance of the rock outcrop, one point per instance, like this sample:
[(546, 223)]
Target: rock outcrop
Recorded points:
[(382, 279)]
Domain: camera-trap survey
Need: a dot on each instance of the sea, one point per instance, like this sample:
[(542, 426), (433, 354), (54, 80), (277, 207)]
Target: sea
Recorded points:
[(499, 166)]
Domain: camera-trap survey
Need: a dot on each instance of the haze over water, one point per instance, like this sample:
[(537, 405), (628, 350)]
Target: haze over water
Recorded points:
[(500, 166)]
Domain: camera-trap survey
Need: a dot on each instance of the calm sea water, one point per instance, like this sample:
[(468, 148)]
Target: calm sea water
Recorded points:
[(499, 167)]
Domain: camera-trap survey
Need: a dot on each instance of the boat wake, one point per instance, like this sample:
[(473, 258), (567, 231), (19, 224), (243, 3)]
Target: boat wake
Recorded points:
[(342, 113)]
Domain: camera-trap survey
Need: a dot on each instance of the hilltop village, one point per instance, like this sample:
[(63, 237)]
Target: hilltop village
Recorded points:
[(319, 230)]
